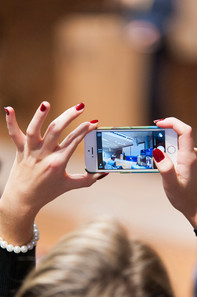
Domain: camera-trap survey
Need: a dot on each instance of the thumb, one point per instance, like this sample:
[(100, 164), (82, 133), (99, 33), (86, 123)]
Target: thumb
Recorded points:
[(166, 168), (84, 180)]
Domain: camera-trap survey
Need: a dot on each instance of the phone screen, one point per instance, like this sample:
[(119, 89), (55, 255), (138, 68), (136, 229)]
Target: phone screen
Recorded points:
[(126, 150)]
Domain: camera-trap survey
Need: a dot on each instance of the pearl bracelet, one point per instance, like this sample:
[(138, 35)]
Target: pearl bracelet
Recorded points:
[(24, 248)]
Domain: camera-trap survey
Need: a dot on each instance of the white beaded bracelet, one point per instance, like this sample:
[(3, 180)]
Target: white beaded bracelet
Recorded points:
[(24, 248)]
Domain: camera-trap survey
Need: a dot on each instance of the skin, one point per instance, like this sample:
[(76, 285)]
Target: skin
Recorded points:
[(39, 171), (180, 183), (39, 174)]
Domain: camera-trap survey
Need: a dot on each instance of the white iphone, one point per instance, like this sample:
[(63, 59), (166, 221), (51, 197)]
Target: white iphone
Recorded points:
[(128, 149)]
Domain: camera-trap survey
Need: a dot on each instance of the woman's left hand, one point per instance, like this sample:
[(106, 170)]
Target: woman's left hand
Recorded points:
[(179, 181)]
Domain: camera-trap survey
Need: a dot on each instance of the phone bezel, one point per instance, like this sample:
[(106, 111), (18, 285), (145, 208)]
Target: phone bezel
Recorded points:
[(171, 139)]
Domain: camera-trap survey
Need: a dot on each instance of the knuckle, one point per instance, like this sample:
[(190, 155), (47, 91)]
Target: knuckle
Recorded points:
[(83, 130), (53, 165), (11, 132), (168, 170), (74, 142), (70, 137), (188, 130), (166, 167), (29, 132), (53, 128), (84, 126)]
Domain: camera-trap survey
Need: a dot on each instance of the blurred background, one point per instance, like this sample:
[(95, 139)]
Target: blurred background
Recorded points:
[(130, 62)]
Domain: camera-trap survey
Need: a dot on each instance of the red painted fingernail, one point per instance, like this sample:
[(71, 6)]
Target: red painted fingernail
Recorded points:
[(80, 106), (6, 110), (94, 121), (43, 107), (158, 155), (102, 176), (156, 121)]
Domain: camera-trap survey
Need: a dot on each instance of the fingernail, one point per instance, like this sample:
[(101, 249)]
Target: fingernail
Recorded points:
[(43, 107), (80, 106), (6, 110), (102, 176), (156, 121), (158, 155), (94, 121)]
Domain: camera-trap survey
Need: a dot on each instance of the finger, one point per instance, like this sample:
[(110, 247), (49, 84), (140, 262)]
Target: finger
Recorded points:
[(59, 124), (75, 137), (33, 130), (186, 143), (14, 130), (166, 168), (79, 133), (84, 180)]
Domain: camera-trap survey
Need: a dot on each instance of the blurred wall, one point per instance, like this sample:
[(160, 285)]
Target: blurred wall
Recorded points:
[(180, 66), (72, 51), (95, 64), (26, 50)]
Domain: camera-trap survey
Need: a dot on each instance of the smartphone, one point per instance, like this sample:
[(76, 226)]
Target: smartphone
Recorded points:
[(128, 149)]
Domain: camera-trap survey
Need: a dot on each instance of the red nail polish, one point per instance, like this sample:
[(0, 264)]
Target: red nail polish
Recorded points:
[(6, 110), (43, 107), (94, 121), (102, 176), (156, 121), (80, 106), (158, 155)]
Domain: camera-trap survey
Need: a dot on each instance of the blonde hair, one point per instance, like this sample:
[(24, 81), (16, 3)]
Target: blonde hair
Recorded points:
[(99, 260)]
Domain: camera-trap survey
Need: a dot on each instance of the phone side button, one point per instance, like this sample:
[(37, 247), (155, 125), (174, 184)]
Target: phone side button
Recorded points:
[(171, 149)]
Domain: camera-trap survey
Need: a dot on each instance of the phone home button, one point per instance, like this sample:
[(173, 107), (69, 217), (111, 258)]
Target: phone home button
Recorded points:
[(171, 149)]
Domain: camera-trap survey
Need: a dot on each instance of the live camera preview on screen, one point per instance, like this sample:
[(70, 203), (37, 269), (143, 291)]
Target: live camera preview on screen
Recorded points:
[(125, 150)]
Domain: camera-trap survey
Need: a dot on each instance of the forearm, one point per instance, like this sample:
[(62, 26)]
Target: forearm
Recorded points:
[(16, 228), (16, 222)]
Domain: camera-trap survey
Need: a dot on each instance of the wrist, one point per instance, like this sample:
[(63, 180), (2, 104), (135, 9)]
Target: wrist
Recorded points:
[(16, 222), (24, 248)]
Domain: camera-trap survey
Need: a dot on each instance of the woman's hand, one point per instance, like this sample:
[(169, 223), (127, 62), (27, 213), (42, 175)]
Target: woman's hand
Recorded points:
[(180, 182), (39, 172)]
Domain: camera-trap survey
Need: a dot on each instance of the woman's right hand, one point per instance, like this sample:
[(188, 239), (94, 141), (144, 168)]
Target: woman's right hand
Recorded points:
[(180, 182), (39, 171)]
